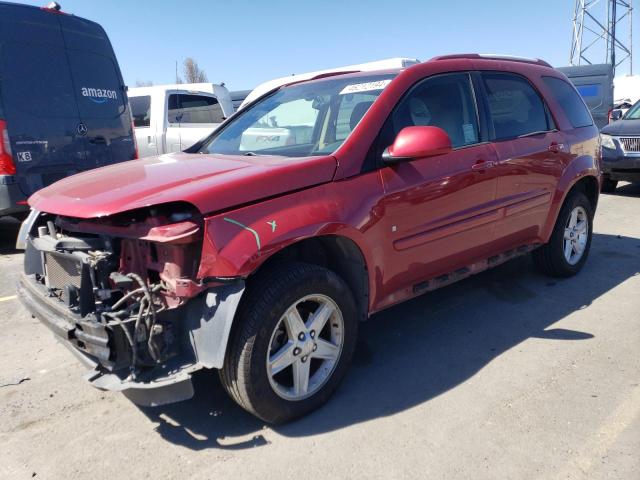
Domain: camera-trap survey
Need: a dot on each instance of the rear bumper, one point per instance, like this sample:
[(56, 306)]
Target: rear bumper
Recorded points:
[(617, 165), (10, 195)]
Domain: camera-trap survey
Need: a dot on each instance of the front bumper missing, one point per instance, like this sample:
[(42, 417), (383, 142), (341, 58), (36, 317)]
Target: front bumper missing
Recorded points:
[(207, 322)]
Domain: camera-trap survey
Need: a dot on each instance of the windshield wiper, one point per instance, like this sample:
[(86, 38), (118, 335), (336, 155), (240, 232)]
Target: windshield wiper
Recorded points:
[(251, 154)]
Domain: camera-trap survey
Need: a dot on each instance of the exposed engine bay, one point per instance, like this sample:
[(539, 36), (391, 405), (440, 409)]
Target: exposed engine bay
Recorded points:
[(122, 289)]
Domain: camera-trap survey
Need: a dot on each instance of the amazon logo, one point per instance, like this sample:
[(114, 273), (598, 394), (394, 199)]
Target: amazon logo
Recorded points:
[(99, 95)]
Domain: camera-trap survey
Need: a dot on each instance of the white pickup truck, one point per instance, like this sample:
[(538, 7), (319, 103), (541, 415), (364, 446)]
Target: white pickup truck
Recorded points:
[(171, 118)]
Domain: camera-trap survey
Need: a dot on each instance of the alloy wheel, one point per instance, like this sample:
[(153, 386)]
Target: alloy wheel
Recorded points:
[(305, 347), (576, 235)]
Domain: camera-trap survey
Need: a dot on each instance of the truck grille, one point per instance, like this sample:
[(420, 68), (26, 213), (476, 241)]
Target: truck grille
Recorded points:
[(62, 270), (630, 144)]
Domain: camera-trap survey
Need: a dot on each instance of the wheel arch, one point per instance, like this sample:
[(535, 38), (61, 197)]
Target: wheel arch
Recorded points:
[(338, 253), (590, 187), (582, 174)]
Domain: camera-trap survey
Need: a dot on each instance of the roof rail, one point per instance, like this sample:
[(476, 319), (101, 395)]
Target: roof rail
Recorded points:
[(485, 56)]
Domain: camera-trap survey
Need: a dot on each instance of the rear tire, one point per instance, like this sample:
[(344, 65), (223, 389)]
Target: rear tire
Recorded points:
[(569, 245), (284, 358), (608, 185)]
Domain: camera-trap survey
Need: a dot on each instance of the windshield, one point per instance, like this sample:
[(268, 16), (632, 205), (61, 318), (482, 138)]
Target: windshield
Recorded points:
[(634, 112), (300, 121)]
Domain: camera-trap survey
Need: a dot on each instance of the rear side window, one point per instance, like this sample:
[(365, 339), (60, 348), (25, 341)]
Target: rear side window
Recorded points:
[(97, 83), (36, 80), (194, 109), (140, 110), (515, 107), (573, 106)]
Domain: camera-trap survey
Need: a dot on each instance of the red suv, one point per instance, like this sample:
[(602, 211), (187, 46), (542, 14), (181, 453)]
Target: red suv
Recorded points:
[(257, 251)]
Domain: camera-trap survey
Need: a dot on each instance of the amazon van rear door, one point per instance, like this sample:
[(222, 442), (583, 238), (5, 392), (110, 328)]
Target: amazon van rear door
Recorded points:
[(63, 103)]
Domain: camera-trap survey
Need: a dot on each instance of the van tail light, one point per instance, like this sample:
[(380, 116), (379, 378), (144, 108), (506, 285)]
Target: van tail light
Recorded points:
[(7, 167), (610, 115), (135, 141)]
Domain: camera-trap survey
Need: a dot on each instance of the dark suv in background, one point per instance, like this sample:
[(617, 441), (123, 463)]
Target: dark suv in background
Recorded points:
[(63, 103), (621, 150)]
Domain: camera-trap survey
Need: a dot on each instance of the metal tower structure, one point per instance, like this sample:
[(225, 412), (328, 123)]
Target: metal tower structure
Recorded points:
[(602, 33)]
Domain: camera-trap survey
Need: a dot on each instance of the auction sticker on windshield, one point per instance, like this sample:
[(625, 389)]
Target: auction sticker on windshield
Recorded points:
[(365, 87)]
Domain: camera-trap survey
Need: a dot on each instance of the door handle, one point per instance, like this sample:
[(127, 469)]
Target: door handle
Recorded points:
[(482, 165), (556, 147)]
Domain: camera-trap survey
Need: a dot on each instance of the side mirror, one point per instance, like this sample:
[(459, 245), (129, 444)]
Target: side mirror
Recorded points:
[(616, 114), (417, 142)]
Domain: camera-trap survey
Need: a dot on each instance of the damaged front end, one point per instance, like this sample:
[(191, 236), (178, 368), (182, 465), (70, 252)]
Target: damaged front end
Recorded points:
[(122, 292)]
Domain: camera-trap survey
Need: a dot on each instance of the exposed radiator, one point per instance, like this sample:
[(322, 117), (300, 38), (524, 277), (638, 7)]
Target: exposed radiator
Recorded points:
[(62, 270)]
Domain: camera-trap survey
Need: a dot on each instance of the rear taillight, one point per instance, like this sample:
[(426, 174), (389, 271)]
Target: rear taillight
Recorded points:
[(7, 167), (610, 115), (135, 142)]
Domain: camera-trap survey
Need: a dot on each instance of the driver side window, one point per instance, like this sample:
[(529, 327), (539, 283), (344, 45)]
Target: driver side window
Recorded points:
[(444, 101)]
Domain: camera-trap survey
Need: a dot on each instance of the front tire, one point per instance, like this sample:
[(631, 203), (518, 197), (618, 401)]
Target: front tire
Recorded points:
[(568, 248), (292, 343)]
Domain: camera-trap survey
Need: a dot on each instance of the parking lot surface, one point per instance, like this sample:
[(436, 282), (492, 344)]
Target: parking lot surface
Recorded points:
[(508, 374)]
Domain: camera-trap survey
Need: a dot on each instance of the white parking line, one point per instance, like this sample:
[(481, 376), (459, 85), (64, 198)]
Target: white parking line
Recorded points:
[(6, 299)]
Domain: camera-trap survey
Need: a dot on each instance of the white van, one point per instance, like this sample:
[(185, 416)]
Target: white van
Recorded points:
[(398, 62), (171, 118)]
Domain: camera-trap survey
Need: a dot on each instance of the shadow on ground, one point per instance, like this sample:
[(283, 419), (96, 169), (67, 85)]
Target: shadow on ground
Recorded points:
[(627, 190), (8, 233), (414, 352)]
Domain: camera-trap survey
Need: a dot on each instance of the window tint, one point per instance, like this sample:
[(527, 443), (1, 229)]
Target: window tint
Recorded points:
[(140, 109), (515, 107), (573, 106), (633, 113), (173, 109), (194, 109), (24, 69), (444, 101), (83, 34), (97, 83), (351, 110)]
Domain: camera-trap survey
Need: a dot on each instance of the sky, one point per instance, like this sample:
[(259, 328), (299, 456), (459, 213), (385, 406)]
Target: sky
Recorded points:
[(244, 43)]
